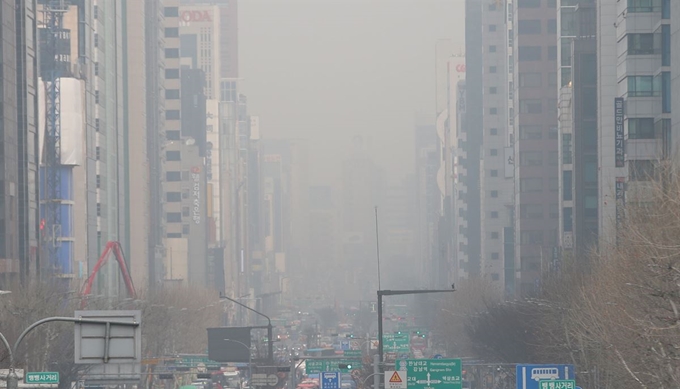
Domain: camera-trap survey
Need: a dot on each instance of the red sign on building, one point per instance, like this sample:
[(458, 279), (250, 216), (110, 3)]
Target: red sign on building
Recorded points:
[(195, 16)]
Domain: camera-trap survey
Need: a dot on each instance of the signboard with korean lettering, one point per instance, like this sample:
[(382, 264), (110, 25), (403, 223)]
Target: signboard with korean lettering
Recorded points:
[(432, 373), (557, 384), (620, 199), (196, 194), (619, 145), (529, 376), (397, 343)]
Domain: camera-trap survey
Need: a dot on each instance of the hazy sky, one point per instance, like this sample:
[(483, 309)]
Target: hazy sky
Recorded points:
[(325, 70)]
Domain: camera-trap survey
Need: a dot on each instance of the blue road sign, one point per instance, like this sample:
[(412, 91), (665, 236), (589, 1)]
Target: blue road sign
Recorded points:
[(330, 380), (529, 375), (437, 356), (344, 344)]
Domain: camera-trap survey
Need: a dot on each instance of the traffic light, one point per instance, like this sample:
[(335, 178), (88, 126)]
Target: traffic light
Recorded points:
[(347, 366)]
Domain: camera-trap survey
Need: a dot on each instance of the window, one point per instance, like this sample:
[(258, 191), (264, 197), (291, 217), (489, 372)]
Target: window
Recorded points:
[(530, 158), (171, 12), (492, 28), (531, 237), (590, 170), (494, 235), (553, 184), (493, 173), (172, 114), (173, 176), (96, 40), (529, 53), (172, 94), (552, 79), (493, 131), (493, 111), (99, 209), (492, 48), (494, 214), (186, 211), (552, 53), (552, 26), (173, 155), (492, 69), (99, 181), (96, 68), (640, 44), (566, 149), (641, 128), (173, 197), (171, 53), (530, 132), (644, 5), (493, 152), (532, 106), (172, 235), (96, 97), (172, 32), (172, 135), (96, 124), (495, 255), (529, 79), (566, 185), (98, 153), (529, 27), (529, 4), (666, 96), (665, 45), (566, 216), (641, 170), (172, 74), (173, 217), (494, 194), (185, 229), (642, 86), (493, 90), (527, 185), (531, 211), (553, 158), (95, 12), (554, 211)]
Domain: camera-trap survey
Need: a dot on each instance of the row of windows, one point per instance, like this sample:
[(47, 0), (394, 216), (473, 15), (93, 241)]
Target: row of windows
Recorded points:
[(537, 3), (535, 26), (536, 132), (535, 158), (535, 53), (535, 211), (535, 184)]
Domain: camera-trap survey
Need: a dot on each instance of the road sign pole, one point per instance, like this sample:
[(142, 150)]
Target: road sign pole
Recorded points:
[(376, 371), (293, 373), (12, 380)]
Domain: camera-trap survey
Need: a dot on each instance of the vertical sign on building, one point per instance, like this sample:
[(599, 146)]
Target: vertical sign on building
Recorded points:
[(618, 132), (620, 199), (196, 194)]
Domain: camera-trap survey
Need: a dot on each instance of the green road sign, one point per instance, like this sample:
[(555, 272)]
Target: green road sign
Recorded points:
[(556, 384), (44, 377), (316, 366), (397, 343), (352, 353), (432, 373)]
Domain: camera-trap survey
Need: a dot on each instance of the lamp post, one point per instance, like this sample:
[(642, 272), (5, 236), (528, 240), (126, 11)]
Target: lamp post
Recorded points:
[(382, 293), (250, 359), (270, 332)]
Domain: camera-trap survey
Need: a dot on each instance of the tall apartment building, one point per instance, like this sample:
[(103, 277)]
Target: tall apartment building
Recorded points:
[(497, 263), (534, 62), (577, 101), (18, 140)]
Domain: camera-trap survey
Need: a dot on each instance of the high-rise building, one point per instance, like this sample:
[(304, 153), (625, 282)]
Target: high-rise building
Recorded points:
[(577, 101), (534, 108), (19, 140), (675, 76), (496, 181), (453, 227)]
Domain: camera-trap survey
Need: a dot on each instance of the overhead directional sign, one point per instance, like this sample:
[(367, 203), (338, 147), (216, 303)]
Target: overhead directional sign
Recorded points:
[(397, 343), (432, 373), (330, 380), (396, 379), (352, 354), (42, 378), (529, 376), (557, 384), (316, 366)]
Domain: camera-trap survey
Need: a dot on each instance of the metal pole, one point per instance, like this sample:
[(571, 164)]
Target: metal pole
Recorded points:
[(9, 349), (293, 373), (377, 244), (12, 379), (380, 325), (376, 371), (250, 358)]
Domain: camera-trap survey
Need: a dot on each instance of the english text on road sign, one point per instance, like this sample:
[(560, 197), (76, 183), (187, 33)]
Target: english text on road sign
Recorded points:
[(432, 373), (396, 380)]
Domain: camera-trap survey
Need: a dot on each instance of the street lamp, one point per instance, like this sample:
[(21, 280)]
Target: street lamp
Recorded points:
[(250, 359), (270, 332)]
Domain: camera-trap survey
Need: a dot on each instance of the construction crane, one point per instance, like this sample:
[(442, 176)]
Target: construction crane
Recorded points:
[(112, 247), (50, 225)]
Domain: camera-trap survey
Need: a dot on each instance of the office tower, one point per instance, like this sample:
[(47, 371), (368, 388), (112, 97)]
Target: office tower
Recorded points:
[(427, 198), (533, 58), (19, 139), (577, 101), (155, 133), (497, 263), (453, 228)]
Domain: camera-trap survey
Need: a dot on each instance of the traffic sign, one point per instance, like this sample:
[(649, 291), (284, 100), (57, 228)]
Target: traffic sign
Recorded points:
[(557, 384), (432, 373), (330, 380), (529, 376), (263, 379), (42, 378), (352, 353), (317, 366), (344, 344), (397, 343), (396, 379)]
